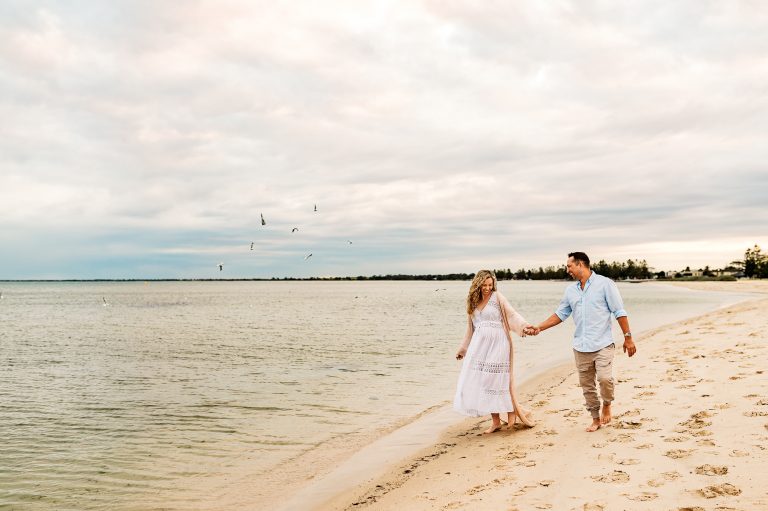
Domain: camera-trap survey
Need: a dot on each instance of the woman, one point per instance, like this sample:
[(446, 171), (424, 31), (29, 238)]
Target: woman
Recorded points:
[(486, 384)]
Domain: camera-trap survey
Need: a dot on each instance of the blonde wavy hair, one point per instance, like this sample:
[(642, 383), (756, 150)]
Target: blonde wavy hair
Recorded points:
[(475, 295)]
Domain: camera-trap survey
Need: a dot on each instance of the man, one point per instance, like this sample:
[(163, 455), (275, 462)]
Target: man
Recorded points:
[(592, 300)]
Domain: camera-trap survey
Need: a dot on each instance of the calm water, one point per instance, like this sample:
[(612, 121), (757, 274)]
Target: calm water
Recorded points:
[(136, 404)]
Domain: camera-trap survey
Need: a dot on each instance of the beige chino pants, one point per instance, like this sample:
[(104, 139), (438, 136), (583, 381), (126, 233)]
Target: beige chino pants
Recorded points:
[(598, 364)]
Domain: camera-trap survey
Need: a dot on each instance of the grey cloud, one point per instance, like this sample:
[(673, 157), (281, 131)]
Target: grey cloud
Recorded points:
[(447, 129)]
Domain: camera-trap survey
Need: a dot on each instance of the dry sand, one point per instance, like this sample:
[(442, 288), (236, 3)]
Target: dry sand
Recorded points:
[(690, 432)]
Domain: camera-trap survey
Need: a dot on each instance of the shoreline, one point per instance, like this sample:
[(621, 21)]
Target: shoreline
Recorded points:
[(428, 477)]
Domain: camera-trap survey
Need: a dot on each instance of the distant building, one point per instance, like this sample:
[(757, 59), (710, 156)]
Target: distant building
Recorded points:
[(728, 272)]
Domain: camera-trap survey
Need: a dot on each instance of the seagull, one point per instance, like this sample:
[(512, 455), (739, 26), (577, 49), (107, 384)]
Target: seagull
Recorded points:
[(315, 208), (221, 266), (263, 222), (105, 301), (294, 229), (251, 245), (349, 241), (307, 257)]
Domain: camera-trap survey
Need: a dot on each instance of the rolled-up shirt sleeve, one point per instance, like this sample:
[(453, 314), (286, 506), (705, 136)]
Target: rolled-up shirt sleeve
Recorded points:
[(613, 298), (564, 309)]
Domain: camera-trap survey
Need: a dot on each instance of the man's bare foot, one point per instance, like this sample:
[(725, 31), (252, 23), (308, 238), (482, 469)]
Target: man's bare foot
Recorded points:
[(605, 414), (493, 429), (594, 426)]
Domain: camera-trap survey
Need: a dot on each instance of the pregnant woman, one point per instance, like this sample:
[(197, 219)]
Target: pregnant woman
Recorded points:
[(486, 383)]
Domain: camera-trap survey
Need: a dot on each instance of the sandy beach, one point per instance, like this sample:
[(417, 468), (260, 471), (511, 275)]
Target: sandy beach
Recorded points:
[(690, 432)]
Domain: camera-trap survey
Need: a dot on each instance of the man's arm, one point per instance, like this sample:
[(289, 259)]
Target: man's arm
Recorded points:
[(551, 321), (629, 344)]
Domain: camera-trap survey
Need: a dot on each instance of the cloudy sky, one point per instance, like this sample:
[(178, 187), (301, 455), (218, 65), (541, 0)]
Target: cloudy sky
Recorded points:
[(144, 139)]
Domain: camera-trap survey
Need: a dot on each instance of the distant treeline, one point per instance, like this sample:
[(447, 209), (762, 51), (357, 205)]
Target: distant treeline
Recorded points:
[(431, 276), (631, 269)]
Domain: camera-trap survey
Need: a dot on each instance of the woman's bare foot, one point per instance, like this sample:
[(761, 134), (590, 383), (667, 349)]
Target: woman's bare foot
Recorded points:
[(493, 429), (605, 414), (594, 426)]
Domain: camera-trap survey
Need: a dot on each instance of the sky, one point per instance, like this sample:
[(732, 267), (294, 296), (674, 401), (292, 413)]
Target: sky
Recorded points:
[(145, 139)]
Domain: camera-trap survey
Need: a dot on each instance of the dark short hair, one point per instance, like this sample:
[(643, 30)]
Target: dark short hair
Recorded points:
[(580, 256)]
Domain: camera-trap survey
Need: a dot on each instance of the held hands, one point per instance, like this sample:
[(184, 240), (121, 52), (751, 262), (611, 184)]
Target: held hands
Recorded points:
[(531, 330)]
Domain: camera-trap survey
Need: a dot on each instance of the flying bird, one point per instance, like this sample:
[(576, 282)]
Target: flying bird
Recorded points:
[(251, 245), (294, 229), (221, 266), (307, 257), (263, 222)]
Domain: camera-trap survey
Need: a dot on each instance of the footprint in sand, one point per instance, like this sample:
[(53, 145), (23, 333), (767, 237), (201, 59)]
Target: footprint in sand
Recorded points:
[(515, 455), (717, 490), (691, 508), (706, 443), (627, 424), (695, 422), (754, 413), (523, 490), (664, 479), (645, 395), (762, 402), (642, 497), (644, 446), (617, 476), (623, 438), (677, 439), (628, 461), (711, 470), (593, 506), (482, 487), (738, 454), (678, 453)]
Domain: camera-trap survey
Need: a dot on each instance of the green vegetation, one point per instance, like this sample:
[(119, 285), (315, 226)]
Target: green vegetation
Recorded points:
[(755, 263)]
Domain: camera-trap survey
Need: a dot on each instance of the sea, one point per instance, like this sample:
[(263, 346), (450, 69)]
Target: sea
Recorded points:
[(177, 395)]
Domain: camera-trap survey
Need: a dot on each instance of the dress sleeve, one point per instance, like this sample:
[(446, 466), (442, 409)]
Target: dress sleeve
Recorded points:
[(516, 321)]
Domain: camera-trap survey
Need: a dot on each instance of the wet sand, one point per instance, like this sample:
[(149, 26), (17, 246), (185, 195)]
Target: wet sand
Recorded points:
[(690, 431)]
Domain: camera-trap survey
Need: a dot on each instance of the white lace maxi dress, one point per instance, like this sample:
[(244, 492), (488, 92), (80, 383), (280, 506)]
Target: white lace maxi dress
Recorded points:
[(483, 386)]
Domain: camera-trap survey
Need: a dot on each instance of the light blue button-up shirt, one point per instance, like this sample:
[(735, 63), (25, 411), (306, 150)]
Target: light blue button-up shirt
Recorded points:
[(592, 310)]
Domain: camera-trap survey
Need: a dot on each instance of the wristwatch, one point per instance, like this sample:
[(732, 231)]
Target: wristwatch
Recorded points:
[(628, 334)]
